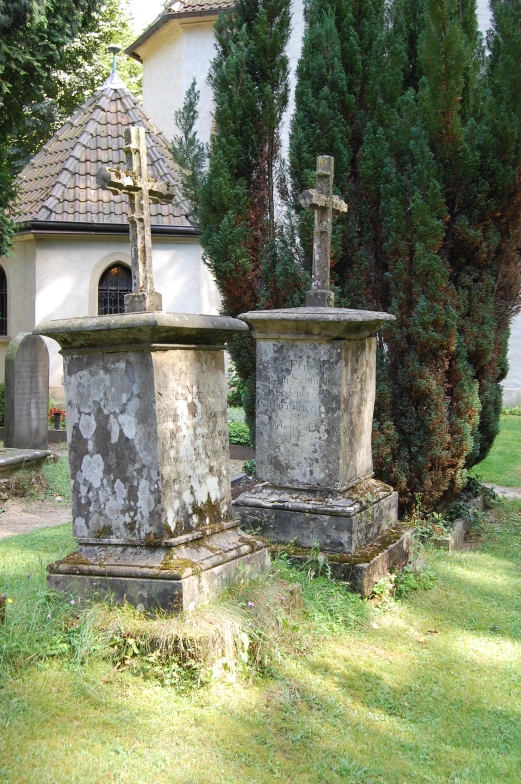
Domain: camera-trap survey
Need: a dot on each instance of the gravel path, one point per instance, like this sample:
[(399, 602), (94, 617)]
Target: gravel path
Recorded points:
[(506, 492)]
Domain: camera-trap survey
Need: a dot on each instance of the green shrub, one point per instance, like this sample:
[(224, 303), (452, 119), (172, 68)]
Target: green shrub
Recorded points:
[(250, 467), (239, 433), (236, 388)]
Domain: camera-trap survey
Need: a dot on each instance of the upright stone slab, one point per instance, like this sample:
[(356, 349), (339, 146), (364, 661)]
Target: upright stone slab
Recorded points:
[(26, 397), (315, 398), (148, 451)]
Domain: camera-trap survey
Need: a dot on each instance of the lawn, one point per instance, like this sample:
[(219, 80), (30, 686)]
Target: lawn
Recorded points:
[(502, 466), (425, 689)]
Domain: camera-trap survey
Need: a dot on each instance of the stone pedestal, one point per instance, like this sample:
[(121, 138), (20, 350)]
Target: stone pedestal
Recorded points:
[(148, 450), (315, 398)]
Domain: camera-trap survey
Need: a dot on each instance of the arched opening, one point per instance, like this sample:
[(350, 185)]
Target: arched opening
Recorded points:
[(115, 282), (3, 302)]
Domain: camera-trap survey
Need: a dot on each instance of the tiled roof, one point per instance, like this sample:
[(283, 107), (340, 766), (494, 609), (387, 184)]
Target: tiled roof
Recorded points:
[(59, 183), (178, 9), (187, 6)]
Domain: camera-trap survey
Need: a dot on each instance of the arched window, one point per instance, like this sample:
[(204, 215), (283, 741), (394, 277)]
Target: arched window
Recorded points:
[(115, 282), (3, 302)]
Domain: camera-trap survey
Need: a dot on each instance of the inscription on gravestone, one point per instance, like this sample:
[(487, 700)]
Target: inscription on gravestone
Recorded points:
[(26, 401)]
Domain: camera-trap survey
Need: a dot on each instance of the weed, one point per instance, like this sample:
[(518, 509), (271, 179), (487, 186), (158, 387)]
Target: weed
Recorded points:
[(412, 578), (250, 467)]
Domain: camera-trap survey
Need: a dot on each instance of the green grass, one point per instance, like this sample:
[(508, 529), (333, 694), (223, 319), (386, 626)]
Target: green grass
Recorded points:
[(58, 477), (426, 689), (502, 466)]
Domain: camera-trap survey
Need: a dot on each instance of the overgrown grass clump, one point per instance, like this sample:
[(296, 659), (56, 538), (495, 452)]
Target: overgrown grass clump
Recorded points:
[(52, 480), (252, 627)]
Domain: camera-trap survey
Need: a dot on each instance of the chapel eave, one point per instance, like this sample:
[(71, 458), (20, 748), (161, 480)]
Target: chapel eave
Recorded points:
[(118, 229), (172, 16)]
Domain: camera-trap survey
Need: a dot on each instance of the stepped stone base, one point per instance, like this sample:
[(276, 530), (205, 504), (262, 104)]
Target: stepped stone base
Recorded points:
[(168, 576), (362, 570), (335, 522)]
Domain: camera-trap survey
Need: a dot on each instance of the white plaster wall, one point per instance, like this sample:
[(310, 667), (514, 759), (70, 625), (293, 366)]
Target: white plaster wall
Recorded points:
[(68, 269), (512, 383), (294, 50), (182, 50), (179, 52), (19, 269)]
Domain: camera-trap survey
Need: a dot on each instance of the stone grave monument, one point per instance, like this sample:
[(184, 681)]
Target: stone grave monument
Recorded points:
[(26, 404), (316, 370), (148, 439), (26, 395)]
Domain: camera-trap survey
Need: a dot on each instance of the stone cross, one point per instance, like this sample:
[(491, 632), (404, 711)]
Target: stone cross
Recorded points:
[(326, 205), (141, 190)]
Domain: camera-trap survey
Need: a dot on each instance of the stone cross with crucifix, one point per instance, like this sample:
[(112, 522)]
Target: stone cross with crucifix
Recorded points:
[(141, 190), (326, 205)]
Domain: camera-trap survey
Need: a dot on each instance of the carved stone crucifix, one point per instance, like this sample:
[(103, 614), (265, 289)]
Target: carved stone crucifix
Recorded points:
[(326, 205), (141, 190)]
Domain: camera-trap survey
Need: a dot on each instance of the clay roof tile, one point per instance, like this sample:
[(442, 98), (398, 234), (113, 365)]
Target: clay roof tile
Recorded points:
[(59, 183)]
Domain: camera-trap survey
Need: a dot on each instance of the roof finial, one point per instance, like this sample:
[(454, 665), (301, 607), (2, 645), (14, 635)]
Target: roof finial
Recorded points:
[(114, 49)]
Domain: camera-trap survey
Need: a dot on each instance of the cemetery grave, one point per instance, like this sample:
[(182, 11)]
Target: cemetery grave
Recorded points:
[(148, 438), (316, 370)]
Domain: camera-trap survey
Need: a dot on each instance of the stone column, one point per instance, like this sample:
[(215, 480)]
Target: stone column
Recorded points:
[(315, 398), (148, 450)]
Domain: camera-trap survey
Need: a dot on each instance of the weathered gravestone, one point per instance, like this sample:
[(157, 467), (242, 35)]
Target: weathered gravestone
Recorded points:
[(148, 451), (316, 371), (26, 396)]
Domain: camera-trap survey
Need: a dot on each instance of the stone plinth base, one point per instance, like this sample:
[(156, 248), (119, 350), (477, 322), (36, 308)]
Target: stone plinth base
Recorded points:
[(362, 570), (172, 578), (335, 522)]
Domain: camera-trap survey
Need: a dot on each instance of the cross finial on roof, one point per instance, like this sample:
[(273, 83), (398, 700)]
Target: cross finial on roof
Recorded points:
[(114, 49), (326, 205), (141, 190)]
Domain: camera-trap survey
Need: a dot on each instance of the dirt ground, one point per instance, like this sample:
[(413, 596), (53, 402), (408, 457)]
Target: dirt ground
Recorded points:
[(22, 515)]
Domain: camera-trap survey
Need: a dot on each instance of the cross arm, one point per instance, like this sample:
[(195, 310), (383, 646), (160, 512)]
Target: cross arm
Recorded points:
[(313, 198), (338, 205), (118, 180)]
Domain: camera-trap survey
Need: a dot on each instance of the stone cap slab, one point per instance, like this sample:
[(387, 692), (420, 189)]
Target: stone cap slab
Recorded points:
[(346, 503), (318, 323), (141, 329), (12, 460)]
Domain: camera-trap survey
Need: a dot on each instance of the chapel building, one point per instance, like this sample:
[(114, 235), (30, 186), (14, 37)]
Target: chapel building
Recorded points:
[(71, 254)]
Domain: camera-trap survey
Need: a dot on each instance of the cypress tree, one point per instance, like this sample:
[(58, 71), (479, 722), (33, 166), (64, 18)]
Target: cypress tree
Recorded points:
[(250, 255)]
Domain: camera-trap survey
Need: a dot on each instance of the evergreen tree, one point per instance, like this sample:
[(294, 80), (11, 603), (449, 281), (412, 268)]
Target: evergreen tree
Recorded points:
[(250, 255), (429, 164)]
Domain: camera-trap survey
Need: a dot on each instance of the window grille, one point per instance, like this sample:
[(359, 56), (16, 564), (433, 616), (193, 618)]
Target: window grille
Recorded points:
[(115, 282), (3, 302)]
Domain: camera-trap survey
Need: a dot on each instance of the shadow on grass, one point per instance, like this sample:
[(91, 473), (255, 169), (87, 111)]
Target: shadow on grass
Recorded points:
[(386, 705)]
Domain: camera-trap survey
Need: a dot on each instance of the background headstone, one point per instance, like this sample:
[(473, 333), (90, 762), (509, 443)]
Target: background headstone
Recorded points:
[(26, 399)]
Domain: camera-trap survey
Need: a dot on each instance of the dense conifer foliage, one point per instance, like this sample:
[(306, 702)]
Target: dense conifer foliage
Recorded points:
[(424, 123), (248, 251)]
